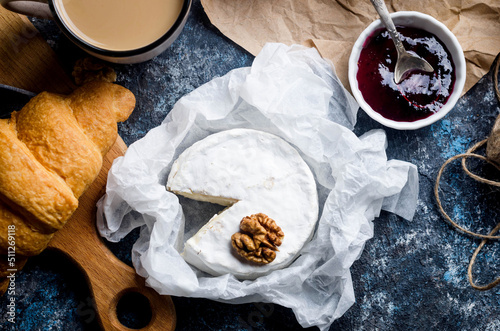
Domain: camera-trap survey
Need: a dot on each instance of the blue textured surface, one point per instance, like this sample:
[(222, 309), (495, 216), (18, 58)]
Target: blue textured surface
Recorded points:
[(411, 275)]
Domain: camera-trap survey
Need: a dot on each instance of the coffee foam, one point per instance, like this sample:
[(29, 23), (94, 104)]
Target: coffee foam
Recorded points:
[(119, 25)]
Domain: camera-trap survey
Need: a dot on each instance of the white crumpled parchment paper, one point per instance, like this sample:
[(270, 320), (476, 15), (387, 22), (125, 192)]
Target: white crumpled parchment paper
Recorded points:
[(294, 93)]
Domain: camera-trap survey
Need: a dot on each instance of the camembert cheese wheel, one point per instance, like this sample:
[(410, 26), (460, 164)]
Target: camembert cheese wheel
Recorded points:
[(250, 172)]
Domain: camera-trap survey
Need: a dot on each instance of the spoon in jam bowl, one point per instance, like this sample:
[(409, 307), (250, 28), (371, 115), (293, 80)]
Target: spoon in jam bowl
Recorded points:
[(406, 62)]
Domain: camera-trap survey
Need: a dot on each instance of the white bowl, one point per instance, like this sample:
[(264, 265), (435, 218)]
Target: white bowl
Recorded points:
[(429, 24)]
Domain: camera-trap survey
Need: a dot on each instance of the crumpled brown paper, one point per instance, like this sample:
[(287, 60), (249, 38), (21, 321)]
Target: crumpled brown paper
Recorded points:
[(333, 26)]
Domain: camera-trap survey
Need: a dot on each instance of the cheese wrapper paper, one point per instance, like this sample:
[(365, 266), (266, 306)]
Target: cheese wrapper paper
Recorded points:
[(292, 92)]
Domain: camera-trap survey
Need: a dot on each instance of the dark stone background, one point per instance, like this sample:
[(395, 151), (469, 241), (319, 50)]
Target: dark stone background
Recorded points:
[(411, 275)]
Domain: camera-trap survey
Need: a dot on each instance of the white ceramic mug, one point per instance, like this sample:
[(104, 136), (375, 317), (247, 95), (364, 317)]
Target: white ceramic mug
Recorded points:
[(66, 14)]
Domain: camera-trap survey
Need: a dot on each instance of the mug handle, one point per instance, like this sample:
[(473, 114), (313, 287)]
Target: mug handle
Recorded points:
[(34, 8)]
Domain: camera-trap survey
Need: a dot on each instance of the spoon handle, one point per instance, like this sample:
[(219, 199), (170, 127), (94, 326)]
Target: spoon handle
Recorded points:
[(381, 9)]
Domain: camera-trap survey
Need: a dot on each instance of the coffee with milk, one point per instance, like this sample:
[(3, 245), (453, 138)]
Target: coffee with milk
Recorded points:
[(119, 25)]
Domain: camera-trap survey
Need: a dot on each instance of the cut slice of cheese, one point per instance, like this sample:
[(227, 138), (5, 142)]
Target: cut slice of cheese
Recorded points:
[(250, 172)]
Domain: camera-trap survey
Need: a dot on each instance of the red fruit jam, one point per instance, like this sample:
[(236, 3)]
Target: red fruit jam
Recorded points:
[(420, 94)]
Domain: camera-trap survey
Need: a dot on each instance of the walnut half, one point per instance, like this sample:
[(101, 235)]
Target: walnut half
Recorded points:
[(89, 69), (259, 238)]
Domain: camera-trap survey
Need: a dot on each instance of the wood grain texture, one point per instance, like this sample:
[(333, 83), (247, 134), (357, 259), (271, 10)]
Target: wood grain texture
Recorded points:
[(29, 63), (108, 277)]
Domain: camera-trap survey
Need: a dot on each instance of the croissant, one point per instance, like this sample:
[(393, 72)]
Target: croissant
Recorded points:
[(50, 152)]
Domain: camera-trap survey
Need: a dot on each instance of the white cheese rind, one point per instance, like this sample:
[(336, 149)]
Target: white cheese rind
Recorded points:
[(251, 172)]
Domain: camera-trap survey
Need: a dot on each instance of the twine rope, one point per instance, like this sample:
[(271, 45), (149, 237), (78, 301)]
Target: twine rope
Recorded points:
[(471, 152)]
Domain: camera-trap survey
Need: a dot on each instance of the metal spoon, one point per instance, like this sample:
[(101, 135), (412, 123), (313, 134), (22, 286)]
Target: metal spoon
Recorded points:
[(406, 62)]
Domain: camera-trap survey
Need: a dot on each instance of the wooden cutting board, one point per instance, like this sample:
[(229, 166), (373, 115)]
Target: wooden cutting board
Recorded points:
[(27, 62)]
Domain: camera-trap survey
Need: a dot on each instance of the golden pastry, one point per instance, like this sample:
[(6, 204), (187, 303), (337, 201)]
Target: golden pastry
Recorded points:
[(50, 153)]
